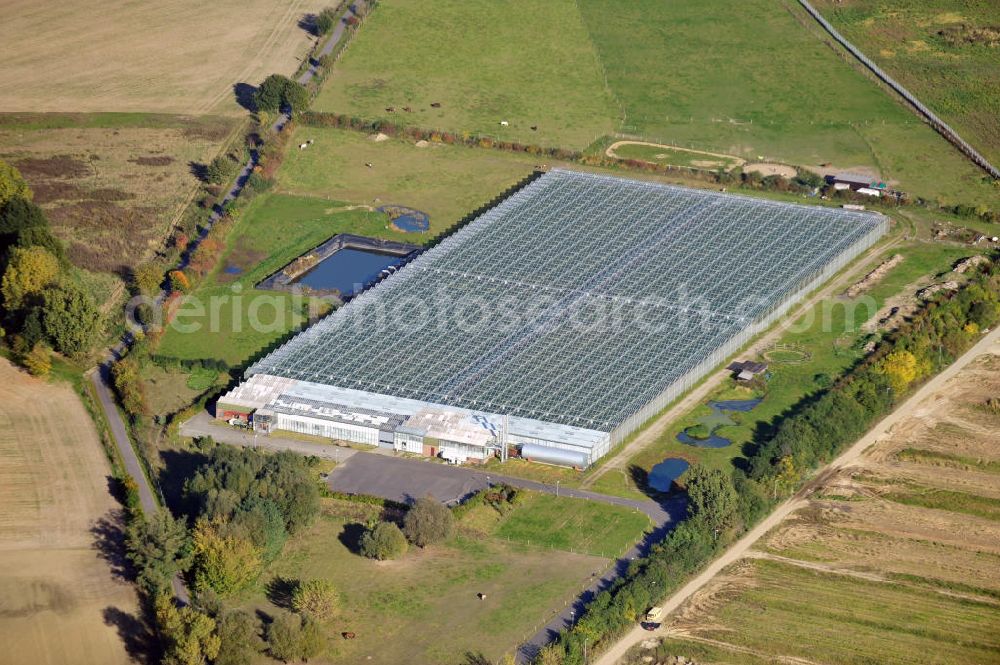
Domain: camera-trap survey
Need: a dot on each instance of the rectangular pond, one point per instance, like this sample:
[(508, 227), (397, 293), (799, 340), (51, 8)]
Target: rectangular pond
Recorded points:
[(348, 270)]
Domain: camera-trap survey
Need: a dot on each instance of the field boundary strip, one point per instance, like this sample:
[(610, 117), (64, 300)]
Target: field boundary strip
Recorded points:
[(937, 123)]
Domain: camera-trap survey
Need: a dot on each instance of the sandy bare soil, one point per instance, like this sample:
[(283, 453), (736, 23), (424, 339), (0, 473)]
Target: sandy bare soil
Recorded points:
[(766, 169), (61, 599), (172, 56)]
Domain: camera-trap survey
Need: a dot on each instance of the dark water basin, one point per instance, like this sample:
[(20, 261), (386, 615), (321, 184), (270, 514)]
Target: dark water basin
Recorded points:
[(347, 270), (662, 476)]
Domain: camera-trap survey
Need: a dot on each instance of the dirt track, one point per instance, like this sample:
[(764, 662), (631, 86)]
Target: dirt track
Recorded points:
[(847, 459), (59, 599)]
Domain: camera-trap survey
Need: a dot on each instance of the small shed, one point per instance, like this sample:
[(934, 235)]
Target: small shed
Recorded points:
[(746, 370)]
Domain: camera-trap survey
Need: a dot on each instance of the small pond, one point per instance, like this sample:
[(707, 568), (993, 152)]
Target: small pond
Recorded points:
[(716, 419), (663, 475), (347, 270), (407, 219)]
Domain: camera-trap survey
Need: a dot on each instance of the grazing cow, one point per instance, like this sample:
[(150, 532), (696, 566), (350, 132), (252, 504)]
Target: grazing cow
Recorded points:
[(534, 128), (369, 165), (310, 141), (390, 109), (303, 146), (407, 109), (504, 123), (435, 105), (348, 635)]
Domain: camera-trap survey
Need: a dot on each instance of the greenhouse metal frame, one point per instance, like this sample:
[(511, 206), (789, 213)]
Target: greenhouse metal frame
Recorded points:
[(582, 300)]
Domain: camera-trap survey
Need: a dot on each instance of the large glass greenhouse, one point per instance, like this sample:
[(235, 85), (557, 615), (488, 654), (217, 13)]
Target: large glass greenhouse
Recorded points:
[(577, 308)]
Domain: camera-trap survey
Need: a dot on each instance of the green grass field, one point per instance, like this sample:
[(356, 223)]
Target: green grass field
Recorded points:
[(528, 62), (572, 525), (423, 607), (446, 182), (943, 51), (680, 74)]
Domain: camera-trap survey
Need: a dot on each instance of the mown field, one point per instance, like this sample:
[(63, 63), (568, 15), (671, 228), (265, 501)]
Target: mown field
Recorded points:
[(943, 51), (177, 56), (763, 86), (62, 597), (423, 608), (111, 184), (890, 562)]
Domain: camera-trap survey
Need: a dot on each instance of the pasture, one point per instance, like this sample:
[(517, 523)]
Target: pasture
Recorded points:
[(445, 181), (766, 86), (890, 561), (178, 56), (111, 184), (62, 601), (529, 63), (943, 51), (423, 607)]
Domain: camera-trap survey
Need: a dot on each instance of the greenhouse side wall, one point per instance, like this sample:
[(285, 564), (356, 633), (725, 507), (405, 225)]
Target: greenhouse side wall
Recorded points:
[(689, 379)]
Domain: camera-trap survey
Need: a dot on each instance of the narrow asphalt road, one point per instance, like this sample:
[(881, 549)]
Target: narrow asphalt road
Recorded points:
[(100, 376), (845, 460)]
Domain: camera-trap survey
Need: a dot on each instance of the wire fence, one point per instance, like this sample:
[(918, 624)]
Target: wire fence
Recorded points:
[(937, 123)]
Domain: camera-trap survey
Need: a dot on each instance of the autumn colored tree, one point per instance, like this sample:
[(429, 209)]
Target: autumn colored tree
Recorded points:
[(225, 564), (902, 369), (38, 361), (12, 184), (188, 635), (315, 598), (29, 271)]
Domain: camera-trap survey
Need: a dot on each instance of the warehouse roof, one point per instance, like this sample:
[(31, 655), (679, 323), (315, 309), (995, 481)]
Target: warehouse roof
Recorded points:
[(575, 302)]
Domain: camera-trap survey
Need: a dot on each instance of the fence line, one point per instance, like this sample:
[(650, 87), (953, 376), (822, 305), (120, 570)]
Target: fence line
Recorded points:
[(937, 123)]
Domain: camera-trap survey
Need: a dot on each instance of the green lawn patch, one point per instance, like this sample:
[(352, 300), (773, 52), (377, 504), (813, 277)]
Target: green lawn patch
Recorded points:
[(575, 525)]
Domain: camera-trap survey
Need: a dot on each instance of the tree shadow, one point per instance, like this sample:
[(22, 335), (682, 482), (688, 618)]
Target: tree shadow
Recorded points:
[(139, 640), (350, 536), (178, 466), (199, 170), (307, 23), (640, 477), (109, 541), (244, 94), (280, 591)]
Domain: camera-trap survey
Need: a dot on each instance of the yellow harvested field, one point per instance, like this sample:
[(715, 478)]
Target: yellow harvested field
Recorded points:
[(181, 56), (61, 599)]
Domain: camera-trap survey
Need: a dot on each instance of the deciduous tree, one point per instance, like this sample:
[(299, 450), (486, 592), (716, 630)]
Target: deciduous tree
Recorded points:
[(71, 318), (12, 184), (383, 541), (188, 635), (225, 564), (315, 598), (711, 497), (427, 522), (28, 272)]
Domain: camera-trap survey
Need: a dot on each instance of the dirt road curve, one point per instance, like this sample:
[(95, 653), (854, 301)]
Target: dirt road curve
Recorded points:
[(847, 459)]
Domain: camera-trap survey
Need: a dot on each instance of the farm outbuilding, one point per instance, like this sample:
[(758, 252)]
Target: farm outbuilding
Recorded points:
[(565, 317)]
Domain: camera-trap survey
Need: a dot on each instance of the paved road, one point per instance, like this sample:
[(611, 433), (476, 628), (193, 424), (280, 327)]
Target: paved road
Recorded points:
[(847, 459)]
